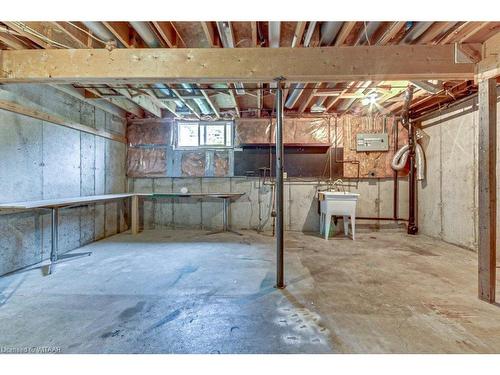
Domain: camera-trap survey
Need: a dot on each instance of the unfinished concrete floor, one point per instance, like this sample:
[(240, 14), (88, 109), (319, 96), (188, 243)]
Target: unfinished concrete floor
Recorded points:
[(185, 292)]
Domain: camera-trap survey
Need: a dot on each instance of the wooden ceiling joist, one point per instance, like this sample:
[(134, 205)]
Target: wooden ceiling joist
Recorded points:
[(206, 65), (121, 30)]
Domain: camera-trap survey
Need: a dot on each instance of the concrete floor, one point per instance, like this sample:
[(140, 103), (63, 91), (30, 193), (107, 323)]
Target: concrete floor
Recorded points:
[(184, 292)]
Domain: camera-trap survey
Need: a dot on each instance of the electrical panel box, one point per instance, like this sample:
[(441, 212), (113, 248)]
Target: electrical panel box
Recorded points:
[(372, 142)]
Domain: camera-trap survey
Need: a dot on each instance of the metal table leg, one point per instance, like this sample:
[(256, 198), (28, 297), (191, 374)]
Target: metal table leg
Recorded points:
[(225, 215), (54, 251)]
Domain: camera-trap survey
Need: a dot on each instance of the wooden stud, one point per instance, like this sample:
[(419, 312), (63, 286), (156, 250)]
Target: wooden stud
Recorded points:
[(487, 202), (134, 219)]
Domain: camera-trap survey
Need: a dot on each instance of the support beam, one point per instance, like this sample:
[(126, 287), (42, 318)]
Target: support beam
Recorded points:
[(280, 264), (487, 203), (210, 65), (489, 67)]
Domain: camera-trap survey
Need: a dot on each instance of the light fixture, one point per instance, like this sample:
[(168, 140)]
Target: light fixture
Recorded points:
[(369, 99)]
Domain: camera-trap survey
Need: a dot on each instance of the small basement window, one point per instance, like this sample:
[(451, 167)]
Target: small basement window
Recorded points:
[(204, 134)]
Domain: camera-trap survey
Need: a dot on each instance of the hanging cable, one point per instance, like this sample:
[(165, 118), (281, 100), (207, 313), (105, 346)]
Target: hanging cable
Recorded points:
[(86, 32)]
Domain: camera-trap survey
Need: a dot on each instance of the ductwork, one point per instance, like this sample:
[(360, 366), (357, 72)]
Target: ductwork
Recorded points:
[(401, 157), (274, 34), (165, 90), (227, 40), (294, 95), (329, 31), (295, 92), (146, 34), (201, 103), (416, 31), (100, 31)]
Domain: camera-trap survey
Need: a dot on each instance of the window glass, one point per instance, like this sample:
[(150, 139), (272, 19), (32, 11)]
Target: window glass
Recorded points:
[(188, 135), (204, 134), (215, 135)]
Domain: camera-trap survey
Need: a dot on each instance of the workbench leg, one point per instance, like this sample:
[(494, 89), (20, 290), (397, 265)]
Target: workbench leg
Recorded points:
[(225, 215), (135, 214), (55, 238)]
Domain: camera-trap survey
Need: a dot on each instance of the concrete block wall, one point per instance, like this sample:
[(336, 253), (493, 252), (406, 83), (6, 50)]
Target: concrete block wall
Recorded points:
[(447, 200), (252, 211), (40, 160)]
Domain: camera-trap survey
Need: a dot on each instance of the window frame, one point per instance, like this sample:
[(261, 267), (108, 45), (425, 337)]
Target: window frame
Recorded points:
[(205, 124)]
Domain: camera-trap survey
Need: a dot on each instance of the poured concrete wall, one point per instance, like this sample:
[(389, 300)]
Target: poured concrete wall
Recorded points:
[(252, 211), (447, 199), (40, 160)]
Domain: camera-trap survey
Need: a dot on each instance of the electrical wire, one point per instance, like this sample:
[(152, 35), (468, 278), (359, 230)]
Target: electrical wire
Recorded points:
[(86, 32), (40, 36)]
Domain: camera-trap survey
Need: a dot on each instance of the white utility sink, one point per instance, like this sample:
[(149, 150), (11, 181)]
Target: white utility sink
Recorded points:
[(337, 203)]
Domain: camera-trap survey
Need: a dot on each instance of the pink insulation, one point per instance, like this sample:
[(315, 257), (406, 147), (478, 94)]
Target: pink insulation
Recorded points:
[(146, 162), (193, 163), (149, 133)]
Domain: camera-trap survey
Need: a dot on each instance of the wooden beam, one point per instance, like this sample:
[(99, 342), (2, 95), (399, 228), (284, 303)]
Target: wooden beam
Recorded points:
[(191, 107), (437, 29), (298, 34), (120, 102), (168, 33), (255, 41), (489, 67), (391, 33), (487, 202), (121, 30), (211, 34), (207, 65), (11, 41), (142, 100), (77, 36), (212, 104), (346, 29), (35, 113), (20, 28), (235, 100), (308, 98)]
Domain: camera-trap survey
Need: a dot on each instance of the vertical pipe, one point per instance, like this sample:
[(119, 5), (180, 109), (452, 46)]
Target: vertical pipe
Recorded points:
[(396, 180), (412, 226), (279, 187)]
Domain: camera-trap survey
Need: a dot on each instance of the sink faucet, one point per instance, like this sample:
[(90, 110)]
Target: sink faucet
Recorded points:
[(336, 184)]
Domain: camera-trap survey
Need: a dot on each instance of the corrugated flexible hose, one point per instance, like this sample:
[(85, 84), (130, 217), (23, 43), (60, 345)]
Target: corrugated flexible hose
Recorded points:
[(401, 157)]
